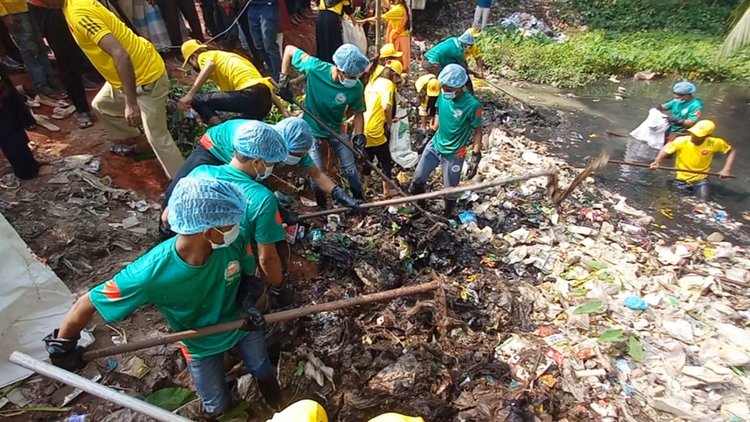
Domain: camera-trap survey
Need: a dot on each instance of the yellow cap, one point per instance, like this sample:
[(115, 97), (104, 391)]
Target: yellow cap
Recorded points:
[(395, 417), (702, 128), (389, 50), (302, 411), (433, 88), (188, 48), (474, 32), (395, 66)]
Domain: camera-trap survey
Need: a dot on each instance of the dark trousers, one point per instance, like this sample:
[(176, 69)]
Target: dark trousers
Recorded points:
[(198, 157), (170, 10), (253, 103), (385, 162), (9, 46), (68, 55), (701, 188), (328, 35)]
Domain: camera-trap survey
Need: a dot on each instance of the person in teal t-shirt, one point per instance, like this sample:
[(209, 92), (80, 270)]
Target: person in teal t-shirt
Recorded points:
[(459, 124), (193, 280), (449, 51), (684, 109), (331, 90), (256, 151)]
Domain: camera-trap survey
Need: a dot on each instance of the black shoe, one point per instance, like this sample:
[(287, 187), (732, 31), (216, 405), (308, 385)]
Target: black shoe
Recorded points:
[(450, 206), (321, 199), (271, 391)]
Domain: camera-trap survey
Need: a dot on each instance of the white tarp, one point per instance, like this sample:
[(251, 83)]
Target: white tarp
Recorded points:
[(33, 301), (651, 131)]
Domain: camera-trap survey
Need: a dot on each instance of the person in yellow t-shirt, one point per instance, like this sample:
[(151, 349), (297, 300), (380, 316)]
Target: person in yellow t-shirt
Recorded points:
[(696, 152), (329, 35), (243, 89), (428, 90), (136, 90), (473, 52), (312, 411), (388, 52), (380, 100)]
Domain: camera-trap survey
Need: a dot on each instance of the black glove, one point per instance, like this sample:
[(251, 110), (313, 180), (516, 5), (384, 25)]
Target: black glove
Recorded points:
[(286, 94), (359, 142), (473, 166), (64, 353), (280, 297), (254, 320), (283, 80), (288, 217), (339, 195), (674, 120)]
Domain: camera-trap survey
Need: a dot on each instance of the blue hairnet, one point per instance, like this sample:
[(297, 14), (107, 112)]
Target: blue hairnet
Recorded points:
[(255, 139), (684, 88), (296, 132), (467, 38), (198, 204), (349, 59), (453, 76)]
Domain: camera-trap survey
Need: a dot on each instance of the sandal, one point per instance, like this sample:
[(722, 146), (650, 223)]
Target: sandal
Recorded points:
[(122, 149), (49, 102), (44, 122), (61, 113), (84, 120)]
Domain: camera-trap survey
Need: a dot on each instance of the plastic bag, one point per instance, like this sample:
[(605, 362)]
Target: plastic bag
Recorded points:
[(354, 34), (400, 142), (651, 131)]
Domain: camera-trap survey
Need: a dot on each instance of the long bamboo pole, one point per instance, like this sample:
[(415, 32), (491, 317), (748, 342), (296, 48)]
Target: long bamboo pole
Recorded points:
[(431, 195), (109, 394), (270, 318), (645, 165)]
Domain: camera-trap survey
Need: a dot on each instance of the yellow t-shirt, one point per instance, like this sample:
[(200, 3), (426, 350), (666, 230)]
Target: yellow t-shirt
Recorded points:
[(473, 51), (376, 73), (337, 9), (421, 85), (695, 157), (89, 22), (378, 95), (11, 7), (232, 72)]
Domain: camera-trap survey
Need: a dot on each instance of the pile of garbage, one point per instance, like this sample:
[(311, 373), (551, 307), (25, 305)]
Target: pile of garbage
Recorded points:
[(529, 25), (583, 311)]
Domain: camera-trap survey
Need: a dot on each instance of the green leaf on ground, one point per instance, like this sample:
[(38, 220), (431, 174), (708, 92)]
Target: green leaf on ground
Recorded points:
[(591, 307), (171, 398), (612, 336), (299, 369), (635, 349), (235, 414)]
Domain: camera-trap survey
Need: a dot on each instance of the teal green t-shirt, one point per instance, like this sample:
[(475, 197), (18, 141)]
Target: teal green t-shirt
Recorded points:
[(457, 120), (446, 52), (188, 296), (306, 161), (690, 110), (326, 98), (262, 219), (219, 139)]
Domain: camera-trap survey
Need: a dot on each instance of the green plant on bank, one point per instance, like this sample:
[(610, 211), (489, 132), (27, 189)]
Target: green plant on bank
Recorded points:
[(679, 16), (590, 55)]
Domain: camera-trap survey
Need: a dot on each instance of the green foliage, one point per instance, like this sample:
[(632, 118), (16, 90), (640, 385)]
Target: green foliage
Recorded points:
[(171, 398), (589, 55), (679, 16)]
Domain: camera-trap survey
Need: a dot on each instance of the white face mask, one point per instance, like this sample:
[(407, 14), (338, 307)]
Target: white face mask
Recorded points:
[(292, 160), (229, 237), (449, 95), (266, 173), (348, 83)]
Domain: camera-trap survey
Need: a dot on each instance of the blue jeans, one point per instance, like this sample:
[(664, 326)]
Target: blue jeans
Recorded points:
[(33, 52), (208, 373), (264, 25), (430, 159), (346, 161), (700, 188)]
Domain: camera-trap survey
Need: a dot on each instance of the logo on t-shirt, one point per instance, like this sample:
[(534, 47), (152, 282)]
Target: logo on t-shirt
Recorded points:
[(233, 269), (704, 152), (457, 113), (340, 98)]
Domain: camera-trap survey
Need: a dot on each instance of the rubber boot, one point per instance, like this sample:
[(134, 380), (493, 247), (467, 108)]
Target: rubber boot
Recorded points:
[(415, 189), (450, 206), (271, 391), (321, 199)]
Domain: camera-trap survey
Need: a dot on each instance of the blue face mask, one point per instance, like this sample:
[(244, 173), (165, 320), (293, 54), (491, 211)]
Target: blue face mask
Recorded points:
[(449, 95), (349, 83)]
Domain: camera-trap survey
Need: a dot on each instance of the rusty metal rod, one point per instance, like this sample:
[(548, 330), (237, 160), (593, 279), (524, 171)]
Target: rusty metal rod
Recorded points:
[(644, 165), (270, 318), (109, 394), (431, 195)]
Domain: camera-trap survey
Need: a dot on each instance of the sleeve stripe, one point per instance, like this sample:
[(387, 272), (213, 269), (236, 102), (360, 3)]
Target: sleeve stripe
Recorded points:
[(111, 291)]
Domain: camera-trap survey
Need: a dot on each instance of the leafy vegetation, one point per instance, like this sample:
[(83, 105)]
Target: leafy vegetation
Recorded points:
[(594, 54), (678, 16)]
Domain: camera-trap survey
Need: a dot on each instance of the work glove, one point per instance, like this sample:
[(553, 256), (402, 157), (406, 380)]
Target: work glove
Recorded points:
[(473, 166), (254, 320), (64, 353), (279, 297), (283, 80), (339, 195), (674, 120), (288, 217), (359, 142)]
